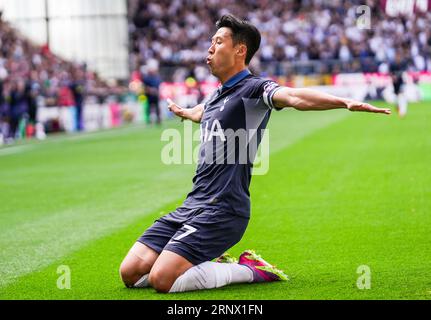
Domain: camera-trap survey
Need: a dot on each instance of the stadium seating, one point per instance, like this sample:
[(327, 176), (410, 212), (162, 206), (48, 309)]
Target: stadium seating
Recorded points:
[(32, 76), (313, 36)]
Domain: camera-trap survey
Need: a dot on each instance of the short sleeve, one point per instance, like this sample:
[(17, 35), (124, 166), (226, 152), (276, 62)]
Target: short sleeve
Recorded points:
[(269, 88)]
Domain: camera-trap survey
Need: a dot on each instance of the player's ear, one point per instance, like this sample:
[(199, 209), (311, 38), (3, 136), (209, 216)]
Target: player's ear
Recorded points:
[(241, 49)]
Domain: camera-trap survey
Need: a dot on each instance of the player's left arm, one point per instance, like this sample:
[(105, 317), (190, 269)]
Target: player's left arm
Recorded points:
[(308, 99)]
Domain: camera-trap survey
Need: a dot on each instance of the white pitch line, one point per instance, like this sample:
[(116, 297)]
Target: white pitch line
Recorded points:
[(15, 149)]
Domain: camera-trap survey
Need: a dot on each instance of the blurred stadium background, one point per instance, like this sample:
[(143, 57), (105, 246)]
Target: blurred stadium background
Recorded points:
[(90, 77), (87, 65)]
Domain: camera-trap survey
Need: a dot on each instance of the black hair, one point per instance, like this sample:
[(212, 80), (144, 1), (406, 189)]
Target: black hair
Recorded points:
[(242, 32)]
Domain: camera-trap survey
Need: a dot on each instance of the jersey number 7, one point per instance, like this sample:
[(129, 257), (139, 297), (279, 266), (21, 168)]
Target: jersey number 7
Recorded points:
[(190, 230)]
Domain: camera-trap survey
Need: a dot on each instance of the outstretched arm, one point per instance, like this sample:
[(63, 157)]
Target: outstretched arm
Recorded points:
[(308, 99), (194, 114)]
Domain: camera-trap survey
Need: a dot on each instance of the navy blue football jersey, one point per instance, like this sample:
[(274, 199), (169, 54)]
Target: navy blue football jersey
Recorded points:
[(232, 126)]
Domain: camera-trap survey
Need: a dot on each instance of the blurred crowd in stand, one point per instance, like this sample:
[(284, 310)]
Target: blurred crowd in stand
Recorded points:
[(178, 32), (169, 40), (32, 76)]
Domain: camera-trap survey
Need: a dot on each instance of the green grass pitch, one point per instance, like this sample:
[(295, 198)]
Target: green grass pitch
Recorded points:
[(343, 190)]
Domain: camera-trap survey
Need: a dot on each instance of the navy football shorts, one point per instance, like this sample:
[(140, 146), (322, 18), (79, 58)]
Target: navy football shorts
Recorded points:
[(198, 235)]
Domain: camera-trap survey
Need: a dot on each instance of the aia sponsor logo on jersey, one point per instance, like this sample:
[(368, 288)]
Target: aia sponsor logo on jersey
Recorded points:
[(214, 130)]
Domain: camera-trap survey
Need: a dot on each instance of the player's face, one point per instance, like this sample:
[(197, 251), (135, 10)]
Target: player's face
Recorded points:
[(221, 56)]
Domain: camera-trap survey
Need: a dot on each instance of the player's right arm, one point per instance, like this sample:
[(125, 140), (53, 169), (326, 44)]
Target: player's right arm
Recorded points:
[(194, 114)]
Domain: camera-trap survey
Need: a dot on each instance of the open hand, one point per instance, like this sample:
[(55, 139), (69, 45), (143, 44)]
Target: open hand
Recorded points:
[(177, 110), (366, 107)]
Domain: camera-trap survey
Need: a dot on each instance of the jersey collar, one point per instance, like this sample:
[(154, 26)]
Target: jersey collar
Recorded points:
[(236, 78)]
